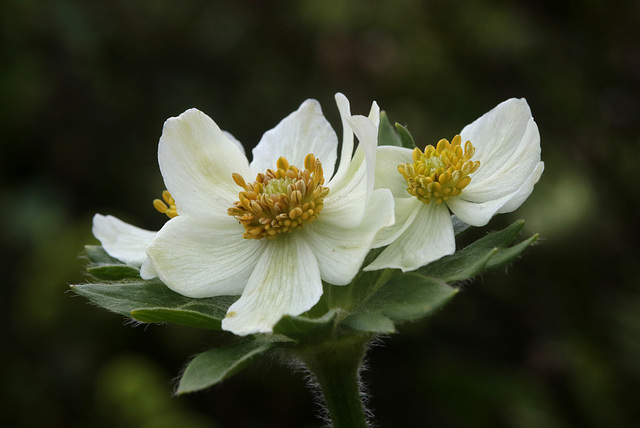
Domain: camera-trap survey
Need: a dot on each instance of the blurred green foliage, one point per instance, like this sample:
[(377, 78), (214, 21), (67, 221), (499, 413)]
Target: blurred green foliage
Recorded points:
[(86, 86)]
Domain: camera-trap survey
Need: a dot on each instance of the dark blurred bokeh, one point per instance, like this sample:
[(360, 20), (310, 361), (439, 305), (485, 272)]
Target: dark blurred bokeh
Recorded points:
[(86, 86)]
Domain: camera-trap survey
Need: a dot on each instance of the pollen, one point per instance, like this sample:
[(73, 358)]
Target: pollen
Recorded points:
[(168, 206), (280, 200), (440, 172)]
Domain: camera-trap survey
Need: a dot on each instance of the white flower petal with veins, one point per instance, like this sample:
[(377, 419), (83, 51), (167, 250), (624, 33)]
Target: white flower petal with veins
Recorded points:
[(197, 171), (306, 124), (340, 250), (121, 240), (204, 259), (427, 238), (284, 281)]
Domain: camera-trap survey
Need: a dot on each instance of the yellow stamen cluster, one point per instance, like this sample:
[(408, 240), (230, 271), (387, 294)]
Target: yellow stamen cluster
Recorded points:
[(280, 201), (440, 172), (167, 207)]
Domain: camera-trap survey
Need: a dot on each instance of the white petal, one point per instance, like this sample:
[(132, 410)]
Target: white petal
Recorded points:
[(302, 132), (428, 238), (235, 141), (387, 160), (479, 213), (340, 251), (286, 281), (497, 135), (387, 176), (203, 259), (347, 140), (499, 175), (197, 160), (147, 271), (374, 115), (405, 210), (352, 184), (476, 213), (345, 206), (367, 132), (121, 240), (524, 191)]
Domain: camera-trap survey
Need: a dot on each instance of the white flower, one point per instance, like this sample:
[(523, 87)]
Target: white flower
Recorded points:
[(272, 241), (497, 178)]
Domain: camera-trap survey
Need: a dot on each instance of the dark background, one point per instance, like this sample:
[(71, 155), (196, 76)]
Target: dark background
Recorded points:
[(86, 86)]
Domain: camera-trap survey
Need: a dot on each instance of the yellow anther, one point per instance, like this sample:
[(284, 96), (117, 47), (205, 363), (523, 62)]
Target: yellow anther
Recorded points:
[(239, 180), (469, 149), (440, 172), (310, 162), (416, 154), (160, 206), (297, 211), (280, 201), (167, 207), (464, 182), (167, 197), (282, 163), (442, 145)]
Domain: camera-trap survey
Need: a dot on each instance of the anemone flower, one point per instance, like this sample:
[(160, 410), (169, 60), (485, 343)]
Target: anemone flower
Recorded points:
[(492, 172), (272, 240)]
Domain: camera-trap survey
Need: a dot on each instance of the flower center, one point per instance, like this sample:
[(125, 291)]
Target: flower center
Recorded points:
[(280, 201), (167, 207), (440, 172)]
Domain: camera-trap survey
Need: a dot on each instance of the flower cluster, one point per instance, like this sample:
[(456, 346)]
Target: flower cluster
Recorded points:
[(273, 229)]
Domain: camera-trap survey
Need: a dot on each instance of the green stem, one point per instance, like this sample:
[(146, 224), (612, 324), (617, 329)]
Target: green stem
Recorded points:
[(336, 367)]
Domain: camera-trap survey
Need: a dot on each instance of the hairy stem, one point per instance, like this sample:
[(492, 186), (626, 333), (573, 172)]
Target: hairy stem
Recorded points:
[(335, 366)]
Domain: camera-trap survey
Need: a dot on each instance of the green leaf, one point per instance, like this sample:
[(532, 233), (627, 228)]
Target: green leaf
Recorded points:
[(409, 296), (459, 266), (112, 272), (405, 137), (369, 322), (365, 283), (216, 365), (474, 258), (387, 135), (348, 297), (184, 317), (505, 256), (305, 330), (104, 267), (145, 297), (97, 254)]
